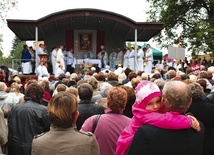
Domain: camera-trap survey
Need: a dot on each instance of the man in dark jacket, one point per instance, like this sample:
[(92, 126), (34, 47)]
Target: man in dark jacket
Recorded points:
[(86, 106), (150, 140), (27, 120)]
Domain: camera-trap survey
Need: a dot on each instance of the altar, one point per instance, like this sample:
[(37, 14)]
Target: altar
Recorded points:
[(90, 61)]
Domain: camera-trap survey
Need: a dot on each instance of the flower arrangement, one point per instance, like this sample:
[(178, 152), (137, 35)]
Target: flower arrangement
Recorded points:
[(85, 67)]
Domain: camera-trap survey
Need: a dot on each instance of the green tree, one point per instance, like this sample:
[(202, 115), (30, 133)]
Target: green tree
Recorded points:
[(193, 18), (17, 47)]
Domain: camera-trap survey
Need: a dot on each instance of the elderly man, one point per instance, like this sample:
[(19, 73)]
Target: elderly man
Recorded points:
[(153, 140)]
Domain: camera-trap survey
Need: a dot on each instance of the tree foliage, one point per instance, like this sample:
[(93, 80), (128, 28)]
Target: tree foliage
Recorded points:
[(193, 18), (5, 7), (17, 47)]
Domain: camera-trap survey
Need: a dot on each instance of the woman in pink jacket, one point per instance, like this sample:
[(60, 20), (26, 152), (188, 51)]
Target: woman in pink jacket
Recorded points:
[(145, 111)]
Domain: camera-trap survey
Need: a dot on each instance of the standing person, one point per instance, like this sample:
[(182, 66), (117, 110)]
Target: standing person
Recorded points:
[(3, 131), (60, 57), (148, 59), (33, 60), (112, 58), (88, 54), (27, 120), (86, 106), (204, 112), (132, 59), (63, 113), (110, 124), (103, 56), (146, 111), (65, 54), (70, 60), (140, 56), (26, 57), (54, 58), (40, 50), (153, 140), (126, 57), (119, 56)]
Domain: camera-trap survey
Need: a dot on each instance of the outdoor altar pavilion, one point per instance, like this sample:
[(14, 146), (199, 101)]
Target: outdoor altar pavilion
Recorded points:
[(69, 26)]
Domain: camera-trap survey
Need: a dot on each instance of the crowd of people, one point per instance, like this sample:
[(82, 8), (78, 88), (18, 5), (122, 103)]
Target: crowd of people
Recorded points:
[(110, 112)]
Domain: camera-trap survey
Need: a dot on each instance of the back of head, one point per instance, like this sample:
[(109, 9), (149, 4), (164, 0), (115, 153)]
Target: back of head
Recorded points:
[(131, 97), (171, 74), (177, 96), (61, 87), (135, 82), (2, 86), (34, 92), (203, 74), (112, 76), (196, 90), (127, 71), (193, 78), (93, 82), (62, 110), (117, 99), (132, 75), (144, 76), (85, 91), (72, 90)]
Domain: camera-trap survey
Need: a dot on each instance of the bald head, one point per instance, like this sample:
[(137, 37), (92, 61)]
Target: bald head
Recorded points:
[(177, 96)]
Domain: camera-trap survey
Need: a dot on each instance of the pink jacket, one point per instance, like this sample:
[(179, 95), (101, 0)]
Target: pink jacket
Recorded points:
[(169, 120)]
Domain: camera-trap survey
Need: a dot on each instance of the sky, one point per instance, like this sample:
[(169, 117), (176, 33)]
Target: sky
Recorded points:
[(33, 10)]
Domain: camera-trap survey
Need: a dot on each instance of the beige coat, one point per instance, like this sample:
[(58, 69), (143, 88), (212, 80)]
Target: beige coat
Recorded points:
[(3, 130), (65, 141)]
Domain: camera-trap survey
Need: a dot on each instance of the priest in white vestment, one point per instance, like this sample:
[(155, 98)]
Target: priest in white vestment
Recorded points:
[(53, 58), (119, 56), (60, 57), (42, 70), (149, 57), (126, 58), (132, 59), (140, 55)]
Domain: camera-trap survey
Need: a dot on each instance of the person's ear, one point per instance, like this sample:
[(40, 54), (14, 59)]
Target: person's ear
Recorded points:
[(76, 116)]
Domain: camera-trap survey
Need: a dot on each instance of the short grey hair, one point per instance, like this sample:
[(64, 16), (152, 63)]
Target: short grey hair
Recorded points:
[(177, 96), (197, 91)]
